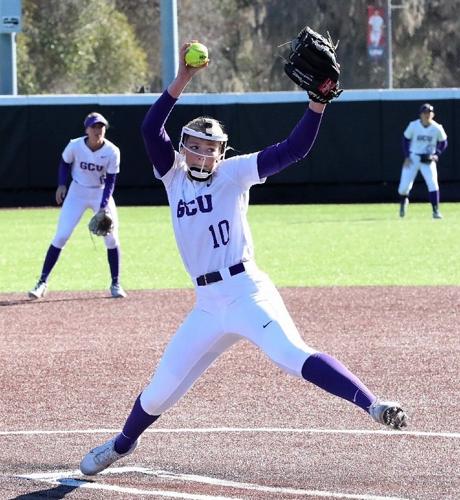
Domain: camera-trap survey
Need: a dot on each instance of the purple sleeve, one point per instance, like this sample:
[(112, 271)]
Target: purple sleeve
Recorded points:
[(157, 142), (108, 189), (63, 172), (441, 147), (277, 157), (405, 147)]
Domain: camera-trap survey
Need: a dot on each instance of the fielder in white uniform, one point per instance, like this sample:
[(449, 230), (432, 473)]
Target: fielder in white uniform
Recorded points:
[(208, 196), (424, 141), (94, 163)]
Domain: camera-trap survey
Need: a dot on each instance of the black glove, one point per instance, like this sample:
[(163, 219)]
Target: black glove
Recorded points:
[(426, 158), (312, 65), (101, 224)]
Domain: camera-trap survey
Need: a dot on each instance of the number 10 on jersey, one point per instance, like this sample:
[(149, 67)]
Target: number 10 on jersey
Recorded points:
[(222, 234)]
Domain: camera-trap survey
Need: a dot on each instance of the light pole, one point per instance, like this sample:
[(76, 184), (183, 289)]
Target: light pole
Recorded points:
[(169, 44), (10, 24), (390, 8), (389, 45)]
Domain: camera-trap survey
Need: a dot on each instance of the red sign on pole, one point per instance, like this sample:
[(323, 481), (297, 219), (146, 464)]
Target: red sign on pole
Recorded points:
[(376, 40)]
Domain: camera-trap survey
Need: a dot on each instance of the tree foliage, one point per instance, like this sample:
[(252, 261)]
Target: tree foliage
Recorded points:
[(115, 45), (75, 46)]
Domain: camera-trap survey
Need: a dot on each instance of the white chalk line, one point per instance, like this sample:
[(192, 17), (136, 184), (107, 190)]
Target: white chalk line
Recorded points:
[(62, 478), (79, 483), (274, 430)]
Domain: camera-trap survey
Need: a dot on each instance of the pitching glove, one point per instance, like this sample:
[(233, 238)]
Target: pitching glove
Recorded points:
[(312, 65)]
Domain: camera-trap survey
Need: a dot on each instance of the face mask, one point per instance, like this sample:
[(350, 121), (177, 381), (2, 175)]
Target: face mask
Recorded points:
[(199, 173)]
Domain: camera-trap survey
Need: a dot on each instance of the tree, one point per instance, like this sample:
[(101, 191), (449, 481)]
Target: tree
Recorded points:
[(115, 45), (426, 44), (78, 47), (144, 17)]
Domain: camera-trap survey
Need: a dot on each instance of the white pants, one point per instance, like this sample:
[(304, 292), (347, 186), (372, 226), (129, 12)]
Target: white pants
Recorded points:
[(409, 173), (246, 305), (78, 199)]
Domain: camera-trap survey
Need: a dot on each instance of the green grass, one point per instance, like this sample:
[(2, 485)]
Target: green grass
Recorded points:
[(298, 245)]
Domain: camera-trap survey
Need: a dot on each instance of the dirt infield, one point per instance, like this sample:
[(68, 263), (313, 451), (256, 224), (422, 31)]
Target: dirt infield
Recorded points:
[(72, 364)]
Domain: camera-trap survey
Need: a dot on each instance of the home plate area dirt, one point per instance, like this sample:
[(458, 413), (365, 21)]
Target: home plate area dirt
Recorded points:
[(72, 365)]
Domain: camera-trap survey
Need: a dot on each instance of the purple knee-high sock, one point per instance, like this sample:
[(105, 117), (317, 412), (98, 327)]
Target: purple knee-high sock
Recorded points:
[(434, 199), (113, 256), (332, 376), (52, 255), (135, 425)]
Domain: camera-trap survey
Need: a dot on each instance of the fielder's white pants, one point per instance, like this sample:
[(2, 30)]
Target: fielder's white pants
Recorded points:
[(78, 199), (409, 173), (225, 312)]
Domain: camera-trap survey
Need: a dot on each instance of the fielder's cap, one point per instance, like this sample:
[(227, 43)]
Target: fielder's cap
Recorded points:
[(426, 107), (94, 118)]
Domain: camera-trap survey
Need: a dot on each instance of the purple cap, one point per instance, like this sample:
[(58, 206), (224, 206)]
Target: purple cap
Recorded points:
[(424, 108), (94, 118)]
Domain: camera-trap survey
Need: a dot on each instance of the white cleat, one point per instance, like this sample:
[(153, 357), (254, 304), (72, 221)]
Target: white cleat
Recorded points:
[(437, 214), (388, 413), (39, 290), (117, 292), (102, 457)]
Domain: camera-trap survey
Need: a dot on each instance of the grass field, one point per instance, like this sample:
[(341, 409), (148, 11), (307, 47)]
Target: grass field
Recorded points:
[(298, 245)]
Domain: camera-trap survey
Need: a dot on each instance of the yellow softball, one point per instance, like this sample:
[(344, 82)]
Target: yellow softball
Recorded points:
[(196, 55)]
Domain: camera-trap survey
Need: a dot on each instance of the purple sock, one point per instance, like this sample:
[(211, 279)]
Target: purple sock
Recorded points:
[(113, 255), (332, 376), (52, 255), (434, 199), (135, 425)]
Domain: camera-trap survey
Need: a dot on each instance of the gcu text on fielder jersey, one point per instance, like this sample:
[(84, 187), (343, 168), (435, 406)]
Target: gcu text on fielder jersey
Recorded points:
[(89, 168), (424, 139)]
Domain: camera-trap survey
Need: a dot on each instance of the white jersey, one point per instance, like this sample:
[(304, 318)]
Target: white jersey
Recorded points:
[(210, 218), (424, 139), (376, 23), (89, 168)]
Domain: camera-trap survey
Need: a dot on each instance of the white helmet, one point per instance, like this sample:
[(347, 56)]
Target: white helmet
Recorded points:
[(208, 129)]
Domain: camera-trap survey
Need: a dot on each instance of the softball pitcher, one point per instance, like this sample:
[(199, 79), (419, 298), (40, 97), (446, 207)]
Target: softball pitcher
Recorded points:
[(208, 197), (94, 163), (424, 141)]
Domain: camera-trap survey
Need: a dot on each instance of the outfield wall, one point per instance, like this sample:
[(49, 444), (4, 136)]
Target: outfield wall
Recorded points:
[(356, 158)]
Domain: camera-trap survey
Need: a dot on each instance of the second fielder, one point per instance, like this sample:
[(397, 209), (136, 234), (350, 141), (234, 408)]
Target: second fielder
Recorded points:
[(424, 141)]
